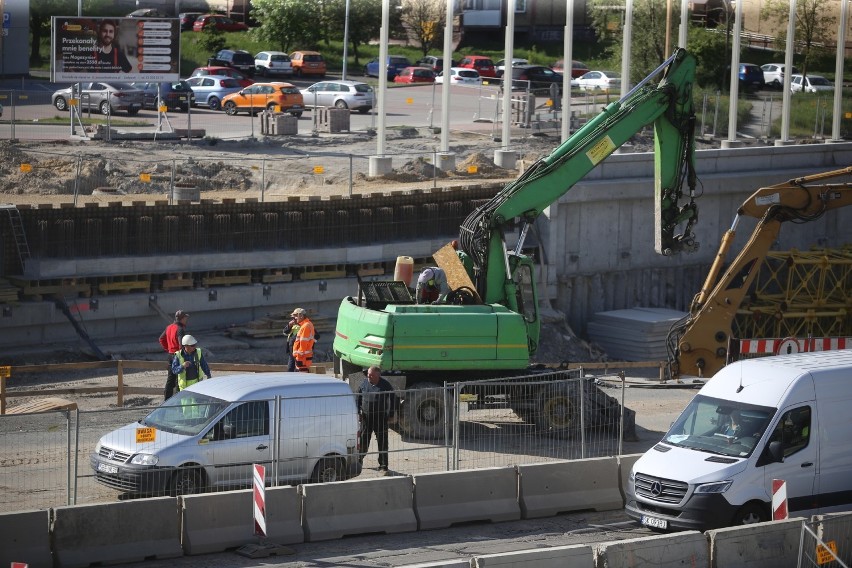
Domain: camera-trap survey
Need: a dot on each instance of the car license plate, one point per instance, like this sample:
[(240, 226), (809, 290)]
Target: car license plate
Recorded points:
[(654, 522), (106, 468)]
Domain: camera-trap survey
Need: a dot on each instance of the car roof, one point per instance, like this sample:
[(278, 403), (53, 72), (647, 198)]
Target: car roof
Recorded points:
[(258, 386), (306, 52), (272, 52)]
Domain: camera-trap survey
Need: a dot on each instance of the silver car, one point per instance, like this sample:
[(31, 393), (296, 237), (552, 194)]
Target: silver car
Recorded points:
[(353, 95), (211, 89), (106, 98)]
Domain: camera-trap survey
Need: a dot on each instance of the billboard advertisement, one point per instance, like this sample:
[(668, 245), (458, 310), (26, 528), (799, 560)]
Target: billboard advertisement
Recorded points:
[(115, 49)]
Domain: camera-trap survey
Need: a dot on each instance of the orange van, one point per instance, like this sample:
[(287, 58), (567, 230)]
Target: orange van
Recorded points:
[(307, 63)]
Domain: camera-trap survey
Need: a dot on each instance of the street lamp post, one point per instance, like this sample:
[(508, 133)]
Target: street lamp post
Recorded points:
[(345, 40)]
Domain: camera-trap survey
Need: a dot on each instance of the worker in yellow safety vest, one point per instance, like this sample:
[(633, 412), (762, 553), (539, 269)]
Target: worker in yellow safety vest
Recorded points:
[(189, 363)]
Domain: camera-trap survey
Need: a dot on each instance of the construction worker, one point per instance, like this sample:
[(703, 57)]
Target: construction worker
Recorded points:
[(432, 286), (291, 330), (189, 363), (170, 340), (303, 347)]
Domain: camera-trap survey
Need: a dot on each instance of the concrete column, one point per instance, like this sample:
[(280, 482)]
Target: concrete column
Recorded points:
[(379, 166), (505, 159), (446, 161)]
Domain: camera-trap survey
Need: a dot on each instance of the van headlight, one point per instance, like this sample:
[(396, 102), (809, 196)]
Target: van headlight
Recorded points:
[(145, 459), (715, 487)]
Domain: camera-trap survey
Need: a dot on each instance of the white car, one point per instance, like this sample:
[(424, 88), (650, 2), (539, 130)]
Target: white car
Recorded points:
[(773, 74), (460, 76), (501, 65), (810, 84), (598, 81), (268, 63), (353, 95)]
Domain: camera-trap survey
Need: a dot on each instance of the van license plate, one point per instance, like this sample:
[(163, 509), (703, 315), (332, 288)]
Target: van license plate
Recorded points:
[(110, 468), (654, 522)]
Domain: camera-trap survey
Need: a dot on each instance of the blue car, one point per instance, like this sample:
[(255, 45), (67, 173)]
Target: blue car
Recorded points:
[(396, 63)]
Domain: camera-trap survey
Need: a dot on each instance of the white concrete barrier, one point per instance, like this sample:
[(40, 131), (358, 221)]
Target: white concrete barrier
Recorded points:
[(214, 522), (680, 549), (25, 537), (112, 533), (547, 489), (579, 555), (442, 499), (335, 510), (450, 563), (625, 464), (762, 545)]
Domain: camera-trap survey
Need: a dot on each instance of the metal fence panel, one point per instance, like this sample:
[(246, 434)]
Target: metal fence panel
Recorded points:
[(827, 542)]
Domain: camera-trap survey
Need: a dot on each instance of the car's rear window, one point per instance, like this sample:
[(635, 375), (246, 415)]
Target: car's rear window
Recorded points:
[(122, 86), (279, 58), (468, 73), (399, 61), (229, 83), (483, 63), (315, 57), (243, 58), (180, 86), (290, 90), (363, 88)]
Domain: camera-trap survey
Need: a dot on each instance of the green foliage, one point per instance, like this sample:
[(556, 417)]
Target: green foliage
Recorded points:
[(211, 40), (286, 24), (425, 19), (811, 114), (815, 24), (709, 51)]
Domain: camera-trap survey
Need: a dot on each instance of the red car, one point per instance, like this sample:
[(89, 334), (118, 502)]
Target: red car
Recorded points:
[(415, 75), (479, 63), (578, 68), (240, 77), (221, 23)]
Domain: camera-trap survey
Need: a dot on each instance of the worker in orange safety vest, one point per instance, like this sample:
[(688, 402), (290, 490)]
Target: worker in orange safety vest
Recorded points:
[(303, 347)]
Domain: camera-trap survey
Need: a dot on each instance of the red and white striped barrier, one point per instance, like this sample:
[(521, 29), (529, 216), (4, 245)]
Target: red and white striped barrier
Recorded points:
[(779, 500), (259, 501), (790, 345)]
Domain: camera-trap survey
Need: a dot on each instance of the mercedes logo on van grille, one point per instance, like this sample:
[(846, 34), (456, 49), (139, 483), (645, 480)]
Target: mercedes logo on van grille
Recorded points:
[(656, 489), (111, 455)]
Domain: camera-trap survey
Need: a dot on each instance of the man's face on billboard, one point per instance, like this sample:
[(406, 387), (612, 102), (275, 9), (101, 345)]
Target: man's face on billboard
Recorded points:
[(107, 34)]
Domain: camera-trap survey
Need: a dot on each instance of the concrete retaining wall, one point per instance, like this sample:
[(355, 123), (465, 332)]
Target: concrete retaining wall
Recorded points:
[(555, 557), (548, 489), (625, 465), (680, 549), (762, 545), (25, 537)]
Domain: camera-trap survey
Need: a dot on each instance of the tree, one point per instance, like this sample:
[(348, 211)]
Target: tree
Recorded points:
[(425, 20), (816, 23), (40, 14), (649, 33), (286, 23), (365, 22)]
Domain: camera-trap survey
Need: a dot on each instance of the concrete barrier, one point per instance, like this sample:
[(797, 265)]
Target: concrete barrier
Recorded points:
[(548, 489), (555, 557), (25, 537), (625, 464), (335, 510), (771, 545), (450, 563), (111, 533), (681, 549), (442, 499), (214, 522)]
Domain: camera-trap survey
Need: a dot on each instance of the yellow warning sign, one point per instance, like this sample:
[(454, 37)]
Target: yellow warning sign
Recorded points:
[(146, 435), (145, 177), (823, 555), (319, 169), (472, 169), (26, 168), (5, 372), (601, 150), (73, 102)]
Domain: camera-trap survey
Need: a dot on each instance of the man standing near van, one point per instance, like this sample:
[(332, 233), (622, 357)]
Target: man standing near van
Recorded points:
[(189, 363), (376, 406), (303, 346), (170, 340)]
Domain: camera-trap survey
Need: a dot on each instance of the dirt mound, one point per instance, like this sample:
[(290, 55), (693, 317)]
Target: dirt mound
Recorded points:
[(479, 163)]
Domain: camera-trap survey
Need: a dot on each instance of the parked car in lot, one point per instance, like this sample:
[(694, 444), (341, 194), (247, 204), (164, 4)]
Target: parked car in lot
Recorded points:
[(535, 78), (353, 95), (773, 74), (175, 95), (751, 77), (265, 96), (236, 58), (241, 78), (598, 81), (810, 84), (268, 63), (434, 62), (415, 75), (211, 89), (106, 98), (479, 63), (500, 66), (187, 20), (207, 436), (221, 23), (578, 68), (395, 64), (307, 63), (460, 76)]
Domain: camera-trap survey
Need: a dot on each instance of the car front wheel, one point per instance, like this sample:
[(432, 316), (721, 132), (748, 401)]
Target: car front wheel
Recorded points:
[(60, 103), (341, 104), (230, 108), (104, 108)]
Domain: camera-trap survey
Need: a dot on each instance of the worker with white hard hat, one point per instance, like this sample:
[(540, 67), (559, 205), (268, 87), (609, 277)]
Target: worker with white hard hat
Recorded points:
[(189, 363)]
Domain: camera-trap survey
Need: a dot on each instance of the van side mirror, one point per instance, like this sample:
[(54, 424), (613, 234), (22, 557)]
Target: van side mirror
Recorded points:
[(773, 453)]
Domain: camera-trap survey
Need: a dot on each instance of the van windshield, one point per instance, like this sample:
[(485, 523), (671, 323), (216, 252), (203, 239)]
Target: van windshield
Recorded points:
[(720, 426), (186, 413)]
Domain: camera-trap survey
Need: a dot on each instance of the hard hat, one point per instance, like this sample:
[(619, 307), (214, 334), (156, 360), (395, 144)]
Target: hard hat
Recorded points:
[(427, 274), (180, 313), (188, 340)]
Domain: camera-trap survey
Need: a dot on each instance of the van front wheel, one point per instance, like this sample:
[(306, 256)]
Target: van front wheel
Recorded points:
[(327, 470), (751, 513), (185, 482)]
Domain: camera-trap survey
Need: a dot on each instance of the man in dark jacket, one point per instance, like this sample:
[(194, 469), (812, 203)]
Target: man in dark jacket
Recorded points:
[(376, 405), (170, 340)]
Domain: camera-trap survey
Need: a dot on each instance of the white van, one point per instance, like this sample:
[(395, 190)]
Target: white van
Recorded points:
[(299, 426), (794, 422)]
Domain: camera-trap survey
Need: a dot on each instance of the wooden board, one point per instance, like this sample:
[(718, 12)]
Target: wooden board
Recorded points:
[(42, 405), (446, 258)]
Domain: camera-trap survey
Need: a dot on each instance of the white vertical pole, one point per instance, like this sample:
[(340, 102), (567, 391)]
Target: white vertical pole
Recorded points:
[(383, 76), (684, 24), (625, 49), (445, 87), (345, 41), (508, 73), (735, 73), (788, 72), (838, 71), (567, 68)]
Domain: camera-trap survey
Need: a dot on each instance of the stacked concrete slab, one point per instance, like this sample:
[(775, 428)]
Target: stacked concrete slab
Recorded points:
[(636, 334)]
